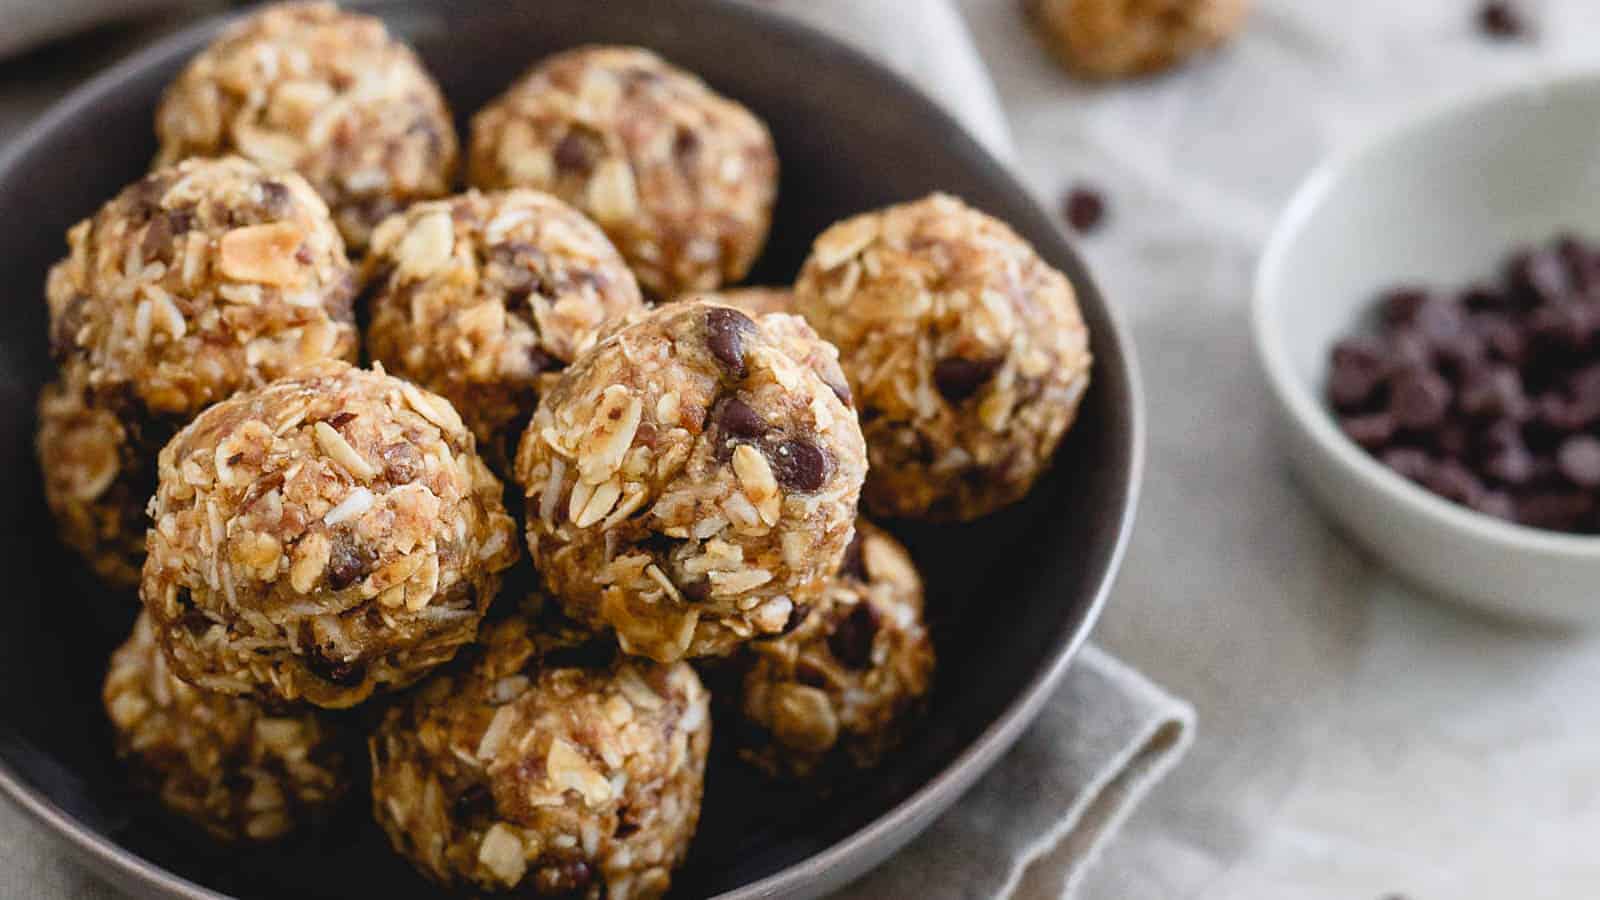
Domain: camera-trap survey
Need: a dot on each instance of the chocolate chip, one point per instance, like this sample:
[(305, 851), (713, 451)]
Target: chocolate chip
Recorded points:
[(349, 562), (576, 153), (1498, 504), (275, 199), (737, 418), (725, 331), (696, 591), (476, 802), (799, 465), (1084, 208), (685, 145), (1501, 20), (1371, 431), (157, 243), (1408, 461), (540, 361), (1453, 481), (1540, 276), (1359, 367), (1494, 392), (959, 378), (851, 641), (1420, 400), (1579, 460), (342, 672), (402, 462), (1556, 510), (342, 419)]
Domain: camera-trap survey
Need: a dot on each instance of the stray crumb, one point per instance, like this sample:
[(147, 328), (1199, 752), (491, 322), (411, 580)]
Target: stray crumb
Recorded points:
[(1084, 209)]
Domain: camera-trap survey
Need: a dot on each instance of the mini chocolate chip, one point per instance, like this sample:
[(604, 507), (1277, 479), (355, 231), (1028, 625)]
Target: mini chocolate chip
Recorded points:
[(737, 418), (402, 462), (576, 153), (235, 459), (302, 255), (275, 198), (342, 419), (1084, 208), (851, 641), (475, 802), (1501, 20), (797, 617), (1511, 465), (157, 243), (800, 465), (1453, 481), (1503, 339), (853, 565), (1483, 298), (685, 145), (1408, 462), (342, 672), (540, 361), (1564, 326), (1420, 400), (1579, 460), (1409, 349), (1451, 439), (1498, 504), (959, 378), (725, 331), (349, 562), (1557, 510), (1370, 431), (696, 591), (1494, 392)]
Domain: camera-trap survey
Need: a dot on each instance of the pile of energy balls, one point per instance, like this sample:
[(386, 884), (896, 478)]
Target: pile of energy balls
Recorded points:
[(307, 535)]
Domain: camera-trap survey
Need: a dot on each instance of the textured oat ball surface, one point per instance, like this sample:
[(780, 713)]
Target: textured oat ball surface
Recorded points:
[(755, 301), (327, 535), (1120, 38), (689, 482), (224, 763), (966, 352), (309, 88), (200, 280), (520, 772), (478, 296), (682, 179), (841, 688), (99, 472)]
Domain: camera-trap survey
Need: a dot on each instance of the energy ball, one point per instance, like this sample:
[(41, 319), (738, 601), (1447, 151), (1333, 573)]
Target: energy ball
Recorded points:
[(480, 296), (192, 283), (689, 481), (1105, 39), (522, 773), (309, 88), (225, 763), (681, 178), (840, 689), (966, 353), (325, 536), (99, 472)]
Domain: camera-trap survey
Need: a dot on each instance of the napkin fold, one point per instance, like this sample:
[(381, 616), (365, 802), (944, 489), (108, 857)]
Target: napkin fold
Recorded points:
[(1034, 825)]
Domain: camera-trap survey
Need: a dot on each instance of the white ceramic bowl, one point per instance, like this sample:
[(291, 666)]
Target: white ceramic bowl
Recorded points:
[(1440, 200)]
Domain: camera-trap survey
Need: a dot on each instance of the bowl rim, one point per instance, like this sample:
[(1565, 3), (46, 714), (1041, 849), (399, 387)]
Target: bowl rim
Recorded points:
[(894, 827), (1269, 323)]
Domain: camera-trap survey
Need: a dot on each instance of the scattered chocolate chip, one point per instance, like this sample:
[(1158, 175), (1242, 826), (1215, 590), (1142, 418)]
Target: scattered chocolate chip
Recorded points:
[(1359, 367), (1084, 208), (696, 591), (725, 331), (1502, 20), (275, 198), (851, 641), (1401, 305), (1494, 392), (799, 465), (342, 672), (959, 378)]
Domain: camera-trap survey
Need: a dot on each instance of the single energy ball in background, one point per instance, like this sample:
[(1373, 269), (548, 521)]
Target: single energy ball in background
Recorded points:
[(682, 179), (518, 772), (1103, 39), (309, 88), (225, 763), (480, 296), (966, 353), (325, 536), (689, 482), (192, 283), (755, 301), (840, 689)]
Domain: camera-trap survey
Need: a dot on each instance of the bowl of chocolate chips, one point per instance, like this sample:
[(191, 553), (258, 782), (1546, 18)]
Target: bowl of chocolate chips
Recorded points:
[(1427, 313)]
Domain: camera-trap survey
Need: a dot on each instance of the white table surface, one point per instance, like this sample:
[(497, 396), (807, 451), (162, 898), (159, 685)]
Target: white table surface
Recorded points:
[(1356, 739)]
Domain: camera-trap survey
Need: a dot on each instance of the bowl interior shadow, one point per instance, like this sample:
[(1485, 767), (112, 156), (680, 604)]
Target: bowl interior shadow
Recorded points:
[(1007, 595)]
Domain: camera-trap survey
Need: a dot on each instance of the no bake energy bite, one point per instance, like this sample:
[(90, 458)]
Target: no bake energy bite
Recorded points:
[(479, 296), (965, 351), (1105, 39), (840, 690), (225, 763), (328, 535), (192, 283), (690, 482), (310, 88), (518, 771), (681, 178)]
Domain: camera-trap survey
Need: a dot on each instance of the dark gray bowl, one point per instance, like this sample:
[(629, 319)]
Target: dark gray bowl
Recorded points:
[(1011, 597)]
